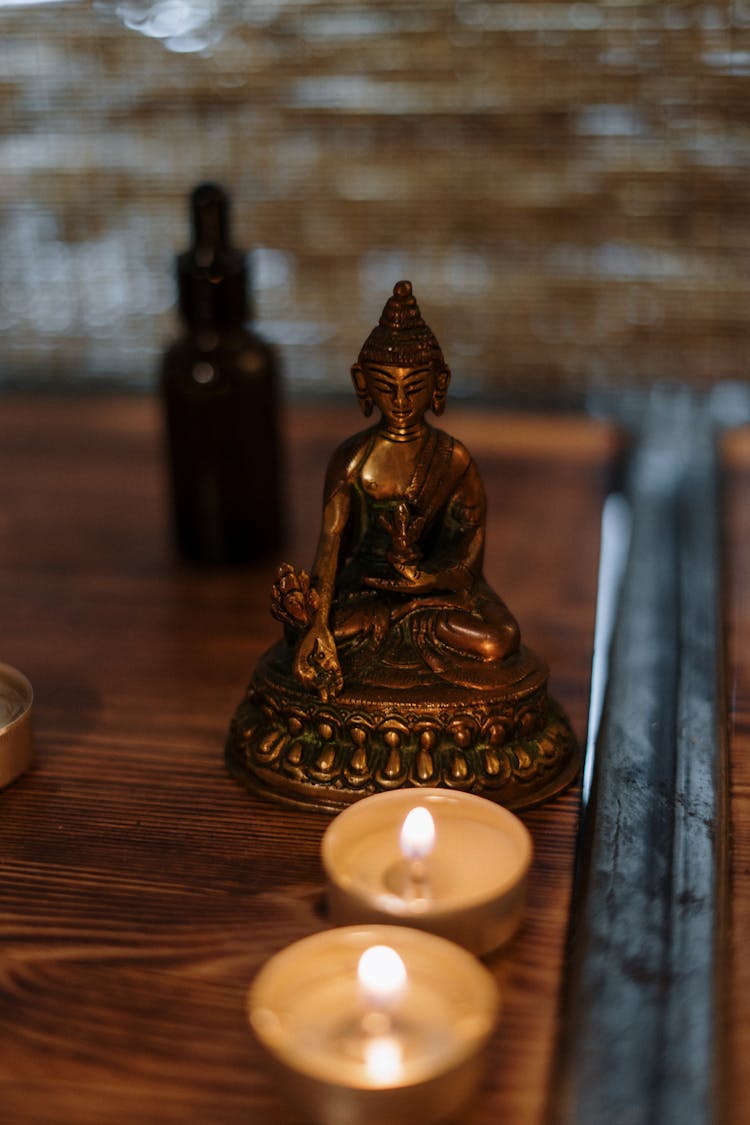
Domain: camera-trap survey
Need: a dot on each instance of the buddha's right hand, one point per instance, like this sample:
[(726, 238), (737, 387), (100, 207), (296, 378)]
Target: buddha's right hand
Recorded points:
[(316, 663)]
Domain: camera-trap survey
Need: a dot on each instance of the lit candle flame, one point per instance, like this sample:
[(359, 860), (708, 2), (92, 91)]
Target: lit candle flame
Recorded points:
[(382, 977), (417, 840), (417, 834)]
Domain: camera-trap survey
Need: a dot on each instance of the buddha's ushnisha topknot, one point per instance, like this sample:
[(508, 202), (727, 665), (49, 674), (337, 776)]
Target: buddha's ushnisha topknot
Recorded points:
[(401, 338)]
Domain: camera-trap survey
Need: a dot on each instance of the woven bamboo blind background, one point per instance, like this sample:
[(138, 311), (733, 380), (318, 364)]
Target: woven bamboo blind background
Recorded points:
[(566, 184)]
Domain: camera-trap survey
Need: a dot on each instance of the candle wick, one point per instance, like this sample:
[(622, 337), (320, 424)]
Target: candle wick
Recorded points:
[(417, 883), (376, 1023)]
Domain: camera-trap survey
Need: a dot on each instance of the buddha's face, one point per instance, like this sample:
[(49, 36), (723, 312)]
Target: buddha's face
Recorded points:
[(402, 394)]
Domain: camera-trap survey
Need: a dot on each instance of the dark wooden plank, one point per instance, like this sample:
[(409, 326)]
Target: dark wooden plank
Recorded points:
[(645, 992)]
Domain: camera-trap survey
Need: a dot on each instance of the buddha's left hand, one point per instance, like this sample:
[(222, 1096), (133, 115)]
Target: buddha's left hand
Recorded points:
[(411, 580)]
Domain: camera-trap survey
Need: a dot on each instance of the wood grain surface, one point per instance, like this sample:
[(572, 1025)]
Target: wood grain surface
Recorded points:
[(140, 887)]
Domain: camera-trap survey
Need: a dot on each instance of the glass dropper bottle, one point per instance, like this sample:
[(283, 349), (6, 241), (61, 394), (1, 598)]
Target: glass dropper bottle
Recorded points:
[(220, 387)]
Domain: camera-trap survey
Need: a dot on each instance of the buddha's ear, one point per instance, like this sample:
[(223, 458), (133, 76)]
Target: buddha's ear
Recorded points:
[(440, 390), (360, 385)]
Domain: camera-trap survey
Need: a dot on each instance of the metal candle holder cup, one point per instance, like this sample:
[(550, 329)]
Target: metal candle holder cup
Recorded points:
[(471, 889), (16, 698), (305, 1008)]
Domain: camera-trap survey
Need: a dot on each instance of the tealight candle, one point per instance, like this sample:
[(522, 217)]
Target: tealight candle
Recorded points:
[(16, 697), (439, 860), (372, 1024)]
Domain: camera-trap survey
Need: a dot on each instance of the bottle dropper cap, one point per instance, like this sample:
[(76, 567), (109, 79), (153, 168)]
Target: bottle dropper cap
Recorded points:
[(212, 276)]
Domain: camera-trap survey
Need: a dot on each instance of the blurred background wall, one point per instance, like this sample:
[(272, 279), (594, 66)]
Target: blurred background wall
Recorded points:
[(566, 184)]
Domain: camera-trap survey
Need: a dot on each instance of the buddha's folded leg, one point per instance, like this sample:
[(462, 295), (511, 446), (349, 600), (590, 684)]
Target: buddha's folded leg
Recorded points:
[(359, 618), (493, 636)]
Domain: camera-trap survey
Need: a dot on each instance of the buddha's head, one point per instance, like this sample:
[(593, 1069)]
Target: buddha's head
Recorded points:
[(400, 368)]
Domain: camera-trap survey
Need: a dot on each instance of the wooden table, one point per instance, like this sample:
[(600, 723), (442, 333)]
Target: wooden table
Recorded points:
[(141, 888)]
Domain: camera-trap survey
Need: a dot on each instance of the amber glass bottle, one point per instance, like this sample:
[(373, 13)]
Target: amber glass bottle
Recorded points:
[(220, 386)]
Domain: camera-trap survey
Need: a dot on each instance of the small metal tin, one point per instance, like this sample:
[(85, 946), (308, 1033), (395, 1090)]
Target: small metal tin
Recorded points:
[(16, 698)]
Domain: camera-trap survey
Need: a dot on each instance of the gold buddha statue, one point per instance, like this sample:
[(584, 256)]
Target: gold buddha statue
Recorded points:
[(399, 665)]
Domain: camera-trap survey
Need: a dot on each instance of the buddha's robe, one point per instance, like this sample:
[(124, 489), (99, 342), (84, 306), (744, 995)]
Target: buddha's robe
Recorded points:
[(460, 632)]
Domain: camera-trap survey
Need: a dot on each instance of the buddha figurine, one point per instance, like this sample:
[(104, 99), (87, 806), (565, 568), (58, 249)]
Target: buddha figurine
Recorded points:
[(399, 665)]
